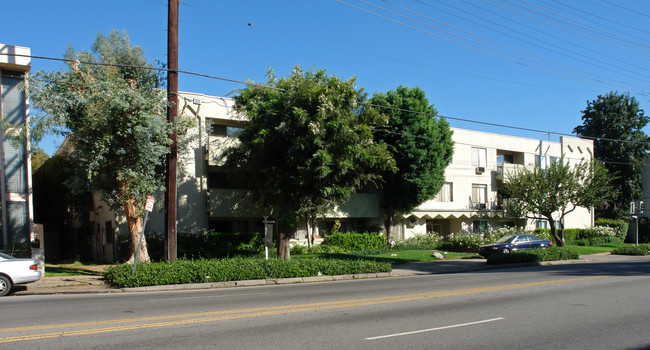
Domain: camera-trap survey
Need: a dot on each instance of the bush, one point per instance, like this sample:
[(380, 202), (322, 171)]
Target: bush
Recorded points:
[(355, 241), (620, 227), (427, 241), (534, 255), (583, 236), (199, 244), (462, 242), (234, 269), (641, 249)]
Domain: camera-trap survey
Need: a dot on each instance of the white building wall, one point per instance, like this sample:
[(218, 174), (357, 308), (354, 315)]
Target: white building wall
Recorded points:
[(203, 155)]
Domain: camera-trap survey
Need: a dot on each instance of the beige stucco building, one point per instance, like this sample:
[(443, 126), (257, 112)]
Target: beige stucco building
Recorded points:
[(468, 202)]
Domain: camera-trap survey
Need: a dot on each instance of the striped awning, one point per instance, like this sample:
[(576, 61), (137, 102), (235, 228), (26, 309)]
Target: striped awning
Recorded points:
[(457, 214)]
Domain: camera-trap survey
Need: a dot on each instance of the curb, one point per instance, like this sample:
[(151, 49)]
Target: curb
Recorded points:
[(403, 272)]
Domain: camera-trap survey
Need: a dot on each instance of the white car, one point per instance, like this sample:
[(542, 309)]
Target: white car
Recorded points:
[(15, 271)]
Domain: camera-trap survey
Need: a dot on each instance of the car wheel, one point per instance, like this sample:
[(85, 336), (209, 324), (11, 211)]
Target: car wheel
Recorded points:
[(506, 250), (5, 285)]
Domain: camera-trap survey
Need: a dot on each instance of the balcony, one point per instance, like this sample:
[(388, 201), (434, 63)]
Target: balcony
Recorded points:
[(505, 169)]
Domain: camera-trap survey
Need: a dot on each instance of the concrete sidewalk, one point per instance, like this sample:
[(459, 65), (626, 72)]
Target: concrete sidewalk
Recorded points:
[(95, 284)]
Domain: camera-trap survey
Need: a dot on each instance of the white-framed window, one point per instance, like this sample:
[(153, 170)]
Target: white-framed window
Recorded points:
[(224, 130), (479, 194), (479, 226), (446, 193), (544, 162), (505, 158), (542, 224), (479, 157)]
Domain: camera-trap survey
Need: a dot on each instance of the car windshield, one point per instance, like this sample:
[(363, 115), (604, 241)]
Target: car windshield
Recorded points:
[(506, 239), (5, 256)]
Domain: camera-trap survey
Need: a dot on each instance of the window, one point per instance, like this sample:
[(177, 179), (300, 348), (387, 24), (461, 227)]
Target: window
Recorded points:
[(505, 158), (110, 233), (224, 130), (446, 193), (434, 227), (479, 226), (542, 224), (479, 194), (544, 162), (479, 157)]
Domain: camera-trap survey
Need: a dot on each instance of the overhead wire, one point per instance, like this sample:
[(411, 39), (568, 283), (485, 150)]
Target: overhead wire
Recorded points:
[(254, 25), (580, 25), (617, 60), (249, 83), (550, 69), (561, 28), (491, 41), (550, 46)]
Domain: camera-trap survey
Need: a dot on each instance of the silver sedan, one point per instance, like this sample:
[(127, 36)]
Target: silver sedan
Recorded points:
[(15, 271)]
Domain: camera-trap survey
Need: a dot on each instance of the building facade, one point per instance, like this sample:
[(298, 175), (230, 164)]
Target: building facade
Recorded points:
[(468, 202), (15, 165)]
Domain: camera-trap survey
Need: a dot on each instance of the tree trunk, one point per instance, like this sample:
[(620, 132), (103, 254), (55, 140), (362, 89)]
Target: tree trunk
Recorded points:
[(557, 236), (388, 223), (285, 232), (134, 223)]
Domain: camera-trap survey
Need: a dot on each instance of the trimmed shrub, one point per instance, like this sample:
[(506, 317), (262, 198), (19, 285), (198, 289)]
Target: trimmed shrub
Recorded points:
[(619, 226), (462, 242), (200, 244), (234, 269), (641, 249), (351, 241), (534, 255)]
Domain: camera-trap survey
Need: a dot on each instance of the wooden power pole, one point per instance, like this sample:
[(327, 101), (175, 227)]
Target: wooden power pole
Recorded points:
[(172, 110)]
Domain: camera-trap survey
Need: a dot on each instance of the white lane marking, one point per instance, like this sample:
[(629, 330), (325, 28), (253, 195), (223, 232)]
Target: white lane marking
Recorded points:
[(207, 296), (436, 329)]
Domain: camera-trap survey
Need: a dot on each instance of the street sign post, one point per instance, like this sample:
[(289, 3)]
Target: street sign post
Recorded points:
[(268, 236)]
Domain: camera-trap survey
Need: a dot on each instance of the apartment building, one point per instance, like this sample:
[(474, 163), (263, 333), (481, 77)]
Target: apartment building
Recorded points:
[(468, 202), (16, 216)]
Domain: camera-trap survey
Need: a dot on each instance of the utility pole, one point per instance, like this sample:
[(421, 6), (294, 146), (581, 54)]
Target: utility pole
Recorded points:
[(172, 110)]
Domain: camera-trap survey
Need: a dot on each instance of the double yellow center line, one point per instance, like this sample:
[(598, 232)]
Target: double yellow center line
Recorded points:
[(118, 325)]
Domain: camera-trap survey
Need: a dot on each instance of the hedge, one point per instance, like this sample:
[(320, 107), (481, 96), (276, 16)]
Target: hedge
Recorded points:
[(233, 269), (534, 255), (641, 249)]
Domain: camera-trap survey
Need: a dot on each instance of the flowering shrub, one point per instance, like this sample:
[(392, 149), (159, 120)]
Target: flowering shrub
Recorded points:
[(462, 242)]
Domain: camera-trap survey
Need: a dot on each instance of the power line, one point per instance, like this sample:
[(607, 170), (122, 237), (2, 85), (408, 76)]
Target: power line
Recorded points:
[(553, 70), (491, 41), (253, 25), (248, 83)]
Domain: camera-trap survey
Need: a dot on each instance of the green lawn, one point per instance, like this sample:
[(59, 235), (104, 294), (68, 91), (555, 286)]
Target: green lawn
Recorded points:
[(603, 248), (70, 269), (395, 258)]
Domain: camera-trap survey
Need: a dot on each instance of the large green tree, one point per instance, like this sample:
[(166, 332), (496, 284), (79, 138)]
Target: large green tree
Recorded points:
[(556, 191), (421, 145), (615, 122), (307, 145), (108, 103)]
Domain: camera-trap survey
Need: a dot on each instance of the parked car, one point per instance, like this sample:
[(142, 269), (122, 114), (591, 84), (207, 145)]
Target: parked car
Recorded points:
[(509, 243), (15, 271)]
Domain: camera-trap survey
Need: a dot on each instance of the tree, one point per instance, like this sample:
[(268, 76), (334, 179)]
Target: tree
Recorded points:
[(559, 189), (108, 103), (38, 158), (615, 121), (421, 146), (307, 145)]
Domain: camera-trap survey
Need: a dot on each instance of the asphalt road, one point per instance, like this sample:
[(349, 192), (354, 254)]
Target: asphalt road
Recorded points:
[(574, 306)]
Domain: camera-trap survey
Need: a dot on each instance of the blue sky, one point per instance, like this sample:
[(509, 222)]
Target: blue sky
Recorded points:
[(530, 64)]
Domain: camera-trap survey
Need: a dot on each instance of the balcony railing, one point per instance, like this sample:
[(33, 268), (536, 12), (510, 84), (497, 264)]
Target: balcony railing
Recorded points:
[(505, 169)]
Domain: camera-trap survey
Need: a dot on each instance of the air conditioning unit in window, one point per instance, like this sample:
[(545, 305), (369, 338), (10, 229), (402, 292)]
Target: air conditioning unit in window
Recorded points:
[(480, 170)]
